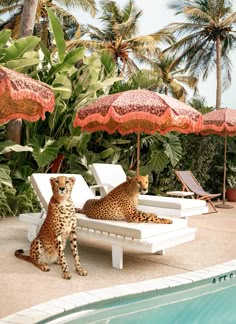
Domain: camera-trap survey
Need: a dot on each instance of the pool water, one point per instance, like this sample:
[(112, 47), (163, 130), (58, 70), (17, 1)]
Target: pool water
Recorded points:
[(204, 304)]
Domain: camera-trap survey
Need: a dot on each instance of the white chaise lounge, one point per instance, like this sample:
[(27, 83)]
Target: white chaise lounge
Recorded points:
[(108, 176), (146, 237)]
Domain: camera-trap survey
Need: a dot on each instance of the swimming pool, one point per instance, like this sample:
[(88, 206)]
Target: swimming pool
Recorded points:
[(204, 306), (210, 300), (205, 296)]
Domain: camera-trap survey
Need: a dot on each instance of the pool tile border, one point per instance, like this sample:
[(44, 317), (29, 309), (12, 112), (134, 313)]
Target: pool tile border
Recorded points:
[(54, 307)]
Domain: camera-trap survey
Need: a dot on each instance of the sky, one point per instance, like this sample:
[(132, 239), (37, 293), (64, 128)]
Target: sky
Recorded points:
[(156, 15)]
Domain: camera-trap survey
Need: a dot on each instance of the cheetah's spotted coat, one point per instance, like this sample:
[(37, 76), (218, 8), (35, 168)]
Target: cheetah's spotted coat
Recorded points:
[(59, 225), (121, 204)]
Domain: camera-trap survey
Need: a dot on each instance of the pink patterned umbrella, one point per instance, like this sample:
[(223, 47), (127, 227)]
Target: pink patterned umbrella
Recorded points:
[(138, 111), (221, 122), (23, 97)]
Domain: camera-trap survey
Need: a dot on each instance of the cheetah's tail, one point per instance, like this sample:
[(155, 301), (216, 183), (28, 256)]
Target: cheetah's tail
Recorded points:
[(19, 254)]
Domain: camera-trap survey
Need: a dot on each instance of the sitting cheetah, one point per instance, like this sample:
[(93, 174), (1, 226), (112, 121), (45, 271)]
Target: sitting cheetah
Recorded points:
[(59, 225), (121, 202)]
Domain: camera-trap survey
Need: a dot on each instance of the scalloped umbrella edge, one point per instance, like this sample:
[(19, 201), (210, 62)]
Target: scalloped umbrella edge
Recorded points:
[(23, 97)]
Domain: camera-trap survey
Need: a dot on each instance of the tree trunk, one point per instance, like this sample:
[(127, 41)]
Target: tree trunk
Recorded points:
[(14, 127), (218, 73), (28, 17), (13, 133)]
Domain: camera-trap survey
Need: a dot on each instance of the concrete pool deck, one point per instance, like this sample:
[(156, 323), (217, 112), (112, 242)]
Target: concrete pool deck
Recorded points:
[(22, 285)]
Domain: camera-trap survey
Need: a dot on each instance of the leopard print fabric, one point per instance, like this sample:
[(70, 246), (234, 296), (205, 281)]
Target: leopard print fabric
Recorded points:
[(59, 225), (121, 204)]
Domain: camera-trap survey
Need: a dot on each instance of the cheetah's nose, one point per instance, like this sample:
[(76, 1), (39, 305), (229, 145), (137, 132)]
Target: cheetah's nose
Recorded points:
[(62, 188), (143, 191)]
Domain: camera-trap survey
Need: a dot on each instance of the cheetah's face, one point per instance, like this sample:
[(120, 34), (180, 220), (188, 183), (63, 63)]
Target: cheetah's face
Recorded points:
[(140, 184), (62, 187), (143, 184)]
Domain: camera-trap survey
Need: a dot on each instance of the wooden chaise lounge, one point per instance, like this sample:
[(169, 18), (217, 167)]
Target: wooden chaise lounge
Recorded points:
[(190, 183)]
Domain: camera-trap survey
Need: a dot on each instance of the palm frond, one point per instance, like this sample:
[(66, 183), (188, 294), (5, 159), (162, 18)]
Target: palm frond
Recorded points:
[(64, 15), (130, 9), (226, 69), (130, 68), (89, 44), (13, 24), (146, 79), (87, 5), (93, 32), (111, 12), (197, 15), (11, 9), (179, 29), (177, 90), (8, 3), (161, 37), (228, 21), (189, 80), (128, 27)]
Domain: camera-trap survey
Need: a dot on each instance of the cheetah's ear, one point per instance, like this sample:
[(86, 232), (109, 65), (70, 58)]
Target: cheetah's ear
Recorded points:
[(128, 179), (146, 176), (52, 180), (72, 180)]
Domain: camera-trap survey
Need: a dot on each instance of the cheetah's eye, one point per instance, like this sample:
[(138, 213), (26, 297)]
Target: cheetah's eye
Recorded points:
[(139, 182), (67, 181), (56, 181)]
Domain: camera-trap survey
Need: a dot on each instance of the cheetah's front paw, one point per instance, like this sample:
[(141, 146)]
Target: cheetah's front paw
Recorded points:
[(44, 267), (66, 275), (82, 272)]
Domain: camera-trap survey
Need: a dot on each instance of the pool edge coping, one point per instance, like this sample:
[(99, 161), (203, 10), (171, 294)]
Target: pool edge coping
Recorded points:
[(44, 311)]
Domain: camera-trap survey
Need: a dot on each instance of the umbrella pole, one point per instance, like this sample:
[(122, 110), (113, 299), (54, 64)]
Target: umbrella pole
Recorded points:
[(224, 178), (224, 205), (138, 152)]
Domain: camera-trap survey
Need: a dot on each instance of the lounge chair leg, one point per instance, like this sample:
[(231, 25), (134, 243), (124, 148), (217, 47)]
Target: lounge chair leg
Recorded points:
[(32, 232), (161, 252), (213, 207), (117, 256)]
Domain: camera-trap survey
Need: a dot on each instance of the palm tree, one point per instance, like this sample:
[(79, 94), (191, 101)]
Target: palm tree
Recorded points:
[(174, 78), (119, 37), (27, 17), (208, 38), (200, 104)]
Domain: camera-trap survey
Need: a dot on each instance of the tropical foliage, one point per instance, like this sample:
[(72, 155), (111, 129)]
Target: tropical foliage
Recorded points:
[(173, 78), (77, 78), (119, 37), (206, 38), (73, 84), (54, 144)]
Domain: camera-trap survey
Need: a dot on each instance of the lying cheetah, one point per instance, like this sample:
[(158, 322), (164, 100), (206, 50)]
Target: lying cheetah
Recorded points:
[(121, 204), (59, 225)]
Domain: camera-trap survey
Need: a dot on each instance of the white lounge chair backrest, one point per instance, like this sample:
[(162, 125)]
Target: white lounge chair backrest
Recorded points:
[(41, 183), (107, 175)]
